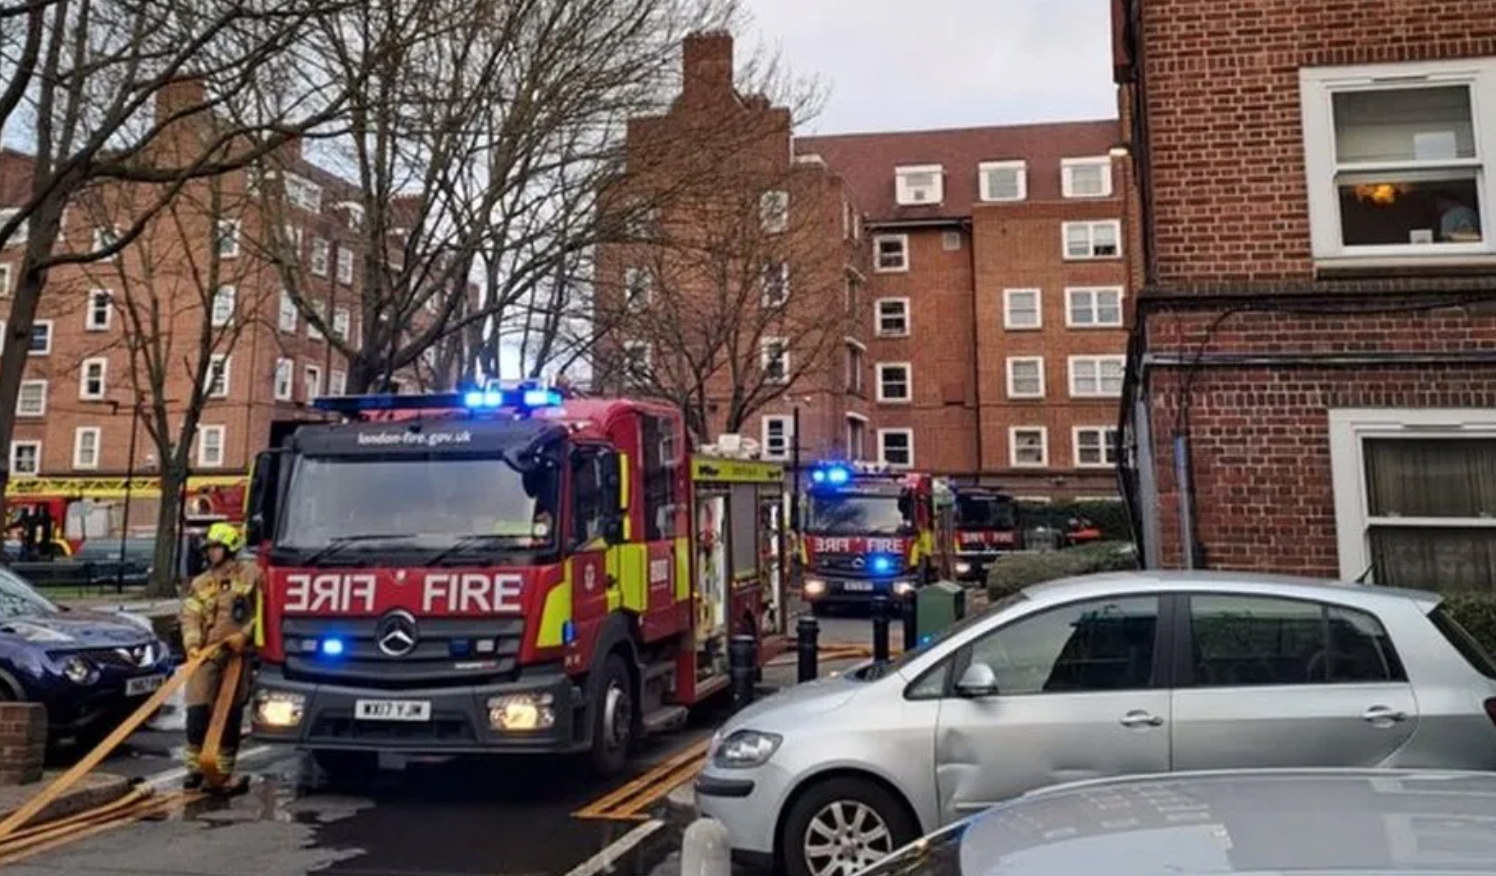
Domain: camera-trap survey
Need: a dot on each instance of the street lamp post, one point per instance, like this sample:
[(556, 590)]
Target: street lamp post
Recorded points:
[(124, 531)]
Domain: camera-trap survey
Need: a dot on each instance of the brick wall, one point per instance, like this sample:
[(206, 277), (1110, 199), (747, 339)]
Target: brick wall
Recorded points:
[(23, 742)]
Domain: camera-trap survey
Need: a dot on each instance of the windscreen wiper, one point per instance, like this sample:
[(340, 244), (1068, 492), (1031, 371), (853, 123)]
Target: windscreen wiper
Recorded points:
[(334, 545), (468, 541)]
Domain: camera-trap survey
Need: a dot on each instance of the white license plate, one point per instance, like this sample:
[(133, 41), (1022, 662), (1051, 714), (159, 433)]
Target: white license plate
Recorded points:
[(137, 687), (858, 586), (392, 710)]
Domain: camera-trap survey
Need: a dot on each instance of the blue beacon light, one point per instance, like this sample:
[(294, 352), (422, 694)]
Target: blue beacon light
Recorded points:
[(332, 647), (882, 565)]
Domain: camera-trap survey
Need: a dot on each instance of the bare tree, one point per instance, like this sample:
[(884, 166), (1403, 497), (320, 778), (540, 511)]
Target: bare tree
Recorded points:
[(737, 299), (103, 89)]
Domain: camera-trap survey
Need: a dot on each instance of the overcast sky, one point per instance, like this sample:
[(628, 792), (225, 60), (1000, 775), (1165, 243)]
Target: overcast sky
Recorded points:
[(908, 64)]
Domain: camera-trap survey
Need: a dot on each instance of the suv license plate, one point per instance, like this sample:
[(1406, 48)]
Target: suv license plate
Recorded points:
[(858, 586), (138, 687), (392, 710)]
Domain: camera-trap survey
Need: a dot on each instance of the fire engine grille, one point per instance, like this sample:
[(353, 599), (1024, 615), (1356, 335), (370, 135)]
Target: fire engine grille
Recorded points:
[(854, 565), (445, 651)]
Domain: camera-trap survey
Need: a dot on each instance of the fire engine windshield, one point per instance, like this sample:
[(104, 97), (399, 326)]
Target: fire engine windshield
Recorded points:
[(985, 512), (471, 504), (856, 514)]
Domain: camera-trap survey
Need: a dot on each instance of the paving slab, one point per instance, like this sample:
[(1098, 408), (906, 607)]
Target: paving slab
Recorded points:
[(93, 790)]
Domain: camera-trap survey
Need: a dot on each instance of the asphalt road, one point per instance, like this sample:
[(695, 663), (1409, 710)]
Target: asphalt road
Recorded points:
[(499, 817)]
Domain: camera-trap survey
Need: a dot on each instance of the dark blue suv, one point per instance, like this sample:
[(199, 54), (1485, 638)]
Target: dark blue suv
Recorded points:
[(90, 669)]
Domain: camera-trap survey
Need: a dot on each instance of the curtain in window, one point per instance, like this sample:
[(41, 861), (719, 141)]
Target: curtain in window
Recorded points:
[(1432, 478)]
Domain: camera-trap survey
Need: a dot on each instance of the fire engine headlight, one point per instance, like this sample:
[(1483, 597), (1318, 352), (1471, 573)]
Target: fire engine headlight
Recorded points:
[(903, 588), (814, 588), (745, 749), (279, 709), (79, 671), (963, 567), (522, 712)]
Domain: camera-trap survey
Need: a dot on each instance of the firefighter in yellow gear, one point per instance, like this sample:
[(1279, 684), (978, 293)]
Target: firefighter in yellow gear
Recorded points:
[(220, 608)]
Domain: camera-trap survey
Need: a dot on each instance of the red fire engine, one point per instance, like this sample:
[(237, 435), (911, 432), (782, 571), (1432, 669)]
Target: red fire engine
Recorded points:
[(870, 533), (986, 528), (58, 515), (504, 570)]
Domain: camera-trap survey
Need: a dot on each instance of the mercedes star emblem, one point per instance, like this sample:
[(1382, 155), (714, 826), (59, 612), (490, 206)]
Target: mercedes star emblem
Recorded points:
[(858, 563), (396, 633)]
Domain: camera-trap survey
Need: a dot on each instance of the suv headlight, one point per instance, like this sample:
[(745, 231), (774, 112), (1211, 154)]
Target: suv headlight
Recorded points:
[(79, 671), (744, 749)]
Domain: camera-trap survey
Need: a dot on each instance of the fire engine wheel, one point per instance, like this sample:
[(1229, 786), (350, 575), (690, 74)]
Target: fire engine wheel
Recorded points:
[(614, 722)]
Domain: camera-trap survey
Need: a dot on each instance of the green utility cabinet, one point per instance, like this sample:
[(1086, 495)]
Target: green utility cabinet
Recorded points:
[(936, 607)]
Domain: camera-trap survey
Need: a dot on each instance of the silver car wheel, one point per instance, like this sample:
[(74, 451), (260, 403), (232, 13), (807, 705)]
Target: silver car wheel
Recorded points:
[(845, 837)]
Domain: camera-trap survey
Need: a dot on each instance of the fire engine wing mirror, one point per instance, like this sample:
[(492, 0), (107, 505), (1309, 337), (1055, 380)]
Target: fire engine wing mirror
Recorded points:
[(261, 499)]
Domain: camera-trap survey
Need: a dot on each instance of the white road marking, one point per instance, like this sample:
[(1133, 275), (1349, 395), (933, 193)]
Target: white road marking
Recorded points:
[(603, 860), (174, 776)]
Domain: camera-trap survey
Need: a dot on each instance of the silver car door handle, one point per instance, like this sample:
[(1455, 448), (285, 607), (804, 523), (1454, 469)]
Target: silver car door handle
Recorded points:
[(1383, 713), (1141, 719)]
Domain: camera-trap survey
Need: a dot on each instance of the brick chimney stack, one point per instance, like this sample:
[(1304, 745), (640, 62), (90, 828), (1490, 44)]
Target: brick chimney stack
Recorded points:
[(708, 63), (183, 93)]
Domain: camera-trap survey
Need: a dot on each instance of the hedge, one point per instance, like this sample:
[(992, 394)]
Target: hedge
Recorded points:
[(1017, 571), (1109, 517), (1475, 610)]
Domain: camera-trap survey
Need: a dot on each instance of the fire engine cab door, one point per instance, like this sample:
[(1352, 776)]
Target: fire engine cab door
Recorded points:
[(594, 594)]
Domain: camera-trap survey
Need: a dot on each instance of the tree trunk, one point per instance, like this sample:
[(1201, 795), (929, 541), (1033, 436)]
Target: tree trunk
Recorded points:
[(166, 561)]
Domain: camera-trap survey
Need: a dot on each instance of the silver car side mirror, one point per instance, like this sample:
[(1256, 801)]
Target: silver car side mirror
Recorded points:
[(977, 681)]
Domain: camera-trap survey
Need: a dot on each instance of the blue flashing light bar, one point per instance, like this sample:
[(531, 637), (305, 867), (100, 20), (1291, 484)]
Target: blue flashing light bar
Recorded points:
[(527, 396), (832, 475)]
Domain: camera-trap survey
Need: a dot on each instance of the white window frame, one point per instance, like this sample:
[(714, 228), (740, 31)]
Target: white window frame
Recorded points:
[(787, 429), (287, 308), (856, 364), (103, 238), (51, 335), (314, 333), (878, 370), (1097, 362), (1093, 291), (226, 362), (226, 238), (903, 242), (1067, 176), (882, 330), (764, 359), (40, 411), (229, 293), (311, 382), (1009, 369), (1108, 449), (636, 278), (767, 301), (337, 382), (345, 266), (904, 193), (24, 228), (774, 211), (1349, 428), (986, 167), (321, 256), (1008, 324), (1317, 86), (883, 447), (202, 445), (1090, 225), (5, 279), (15, 470), (303, 193), (83, 393), (98, 449), (285, 379), (950, 241), (856, 450), (342, 323), (89, 323), (1043, 446), (629, 348)]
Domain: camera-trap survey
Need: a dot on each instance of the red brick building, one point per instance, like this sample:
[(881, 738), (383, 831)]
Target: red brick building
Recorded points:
[(986, 276), (1312, 380)]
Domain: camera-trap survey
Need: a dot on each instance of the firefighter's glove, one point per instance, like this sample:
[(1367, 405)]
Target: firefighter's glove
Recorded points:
[(236, 643), (194, 653)]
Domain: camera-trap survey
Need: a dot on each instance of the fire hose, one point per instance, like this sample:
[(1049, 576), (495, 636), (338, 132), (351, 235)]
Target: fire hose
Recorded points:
[(233, 670)]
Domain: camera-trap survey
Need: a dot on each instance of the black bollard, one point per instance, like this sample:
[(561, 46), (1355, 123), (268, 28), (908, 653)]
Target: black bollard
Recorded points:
[(908, 608), (807, 636), (742, 665), (880, 630)]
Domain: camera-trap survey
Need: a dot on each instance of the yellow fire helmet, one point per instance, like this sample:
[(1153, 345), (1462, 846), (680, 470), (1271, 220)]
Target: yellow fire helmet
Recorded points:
[(226, 534)]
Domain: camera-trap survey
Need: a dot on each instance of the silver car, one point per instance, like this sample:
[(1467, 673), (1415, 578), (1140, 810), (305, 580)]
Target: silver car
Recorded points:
[(1107, 675), (1261, 822)]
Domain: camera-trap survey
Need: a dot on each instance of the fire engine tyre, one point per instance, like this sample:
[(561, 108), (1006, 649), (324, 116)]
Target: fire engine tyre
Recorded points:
[(841, 825), (615, 722)]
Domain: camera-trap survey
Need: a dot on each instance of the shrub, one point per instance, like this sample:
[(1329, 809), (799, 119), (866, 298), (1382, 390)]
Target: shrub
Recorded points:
[(1017, 571), (1109, 517), (1476, 612)]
